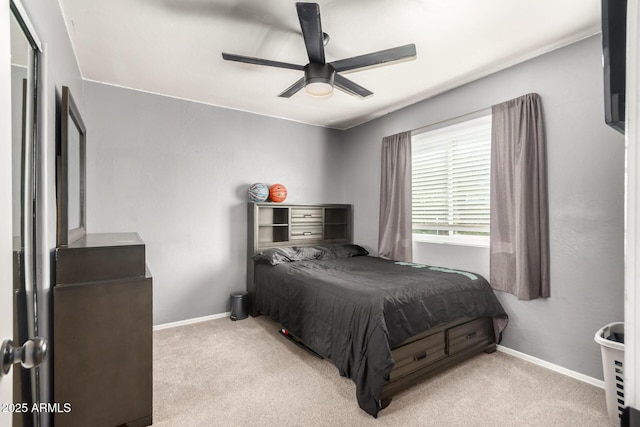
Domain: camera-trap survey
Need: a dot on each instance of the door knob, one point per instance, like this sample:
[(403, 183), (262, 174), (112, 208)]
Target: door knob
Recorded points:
[(31, 354)]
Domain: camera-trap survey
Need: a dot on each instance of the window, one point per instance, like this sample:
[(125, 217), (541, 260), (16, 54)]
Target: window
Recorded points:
[(450, 183)]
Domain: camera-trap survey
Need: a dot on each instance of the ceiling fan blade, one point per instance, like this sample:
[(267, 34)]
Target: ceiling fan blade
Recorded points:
[(309, 15), (350, 87), (260, 61), (293, 89), (376, 58)]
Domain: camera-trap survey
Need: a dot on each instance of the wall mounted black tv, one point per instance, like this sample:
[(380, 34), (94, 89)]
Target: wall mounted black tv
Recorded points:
[(614, 33)]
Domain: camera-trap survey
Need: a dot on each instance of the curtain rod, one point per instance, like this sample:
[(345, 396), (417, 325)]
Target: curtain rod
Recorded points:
[(456, 118), (487, 109)]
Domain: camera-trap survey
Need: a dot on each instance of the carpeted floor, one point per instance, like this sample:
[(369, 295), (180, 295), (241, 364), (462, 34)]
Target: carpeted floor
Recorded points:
[(244, 373)]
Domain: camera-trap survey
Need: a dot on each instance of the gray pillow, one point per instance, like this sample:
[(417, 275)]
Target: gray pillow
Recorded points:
[(275, 256)]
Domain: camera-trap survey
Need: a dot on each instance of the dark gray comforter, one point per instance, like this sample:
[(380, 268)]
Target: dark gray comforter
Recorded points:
[(355, 310)]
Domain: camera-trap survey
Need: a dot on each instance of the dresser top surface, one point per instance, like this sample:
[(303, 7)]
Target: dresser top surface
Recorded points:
[(94, 240)]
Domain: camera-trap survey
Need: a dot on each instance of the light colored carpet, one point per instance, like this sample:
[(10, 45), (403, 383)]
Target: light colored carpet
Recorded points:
[(244, 373)]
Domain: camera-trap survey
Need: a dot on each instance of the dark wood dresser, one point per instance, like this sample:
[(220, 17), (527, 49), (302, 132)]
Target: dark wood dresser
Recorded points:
[(102, 325)]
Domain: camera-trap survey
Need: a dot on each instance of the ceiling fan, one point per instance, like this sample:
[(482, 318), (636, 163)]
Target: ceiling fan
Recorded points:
[(320, 77)]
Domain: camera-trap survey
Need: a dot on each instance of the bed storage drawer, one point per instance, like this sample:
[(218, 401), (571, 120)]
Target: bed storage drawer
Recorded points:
[(416, 354), (469, 334), (306, 215)]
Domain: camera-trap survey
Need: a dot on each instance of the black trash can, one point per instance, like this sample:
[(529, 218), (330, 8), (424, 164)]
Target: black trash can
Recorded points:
[(239, 305)]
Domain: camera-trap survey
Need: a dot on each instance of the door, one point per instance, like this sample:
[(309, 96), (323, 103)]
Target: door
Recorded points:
[(19, 59), (632, 232), (6, 235)]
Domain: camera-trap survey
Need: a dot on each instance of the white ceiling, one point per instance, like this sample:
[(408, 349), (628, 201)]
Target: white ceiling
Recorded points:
[(173, 47)]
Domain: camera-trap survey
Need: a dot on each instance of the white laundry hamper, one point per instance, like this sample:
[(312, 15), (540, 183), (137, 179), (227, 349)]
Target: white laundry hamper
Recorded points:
[(611, 340)]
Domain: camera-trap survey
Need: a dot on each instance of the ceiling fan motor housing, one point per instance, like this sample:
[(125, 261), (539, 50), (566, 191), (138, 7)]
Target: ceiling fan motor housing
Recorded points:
[(318, 73)]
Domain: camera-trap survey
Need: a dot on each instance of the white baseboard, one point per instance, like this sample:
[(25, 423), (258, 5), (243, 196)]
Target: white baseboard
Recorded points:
[(190, 321), (568, 372)]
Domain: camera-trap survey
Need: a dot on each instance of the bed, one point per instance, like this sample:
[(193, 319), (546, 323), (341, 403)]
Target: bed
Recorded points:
[(384, 324)]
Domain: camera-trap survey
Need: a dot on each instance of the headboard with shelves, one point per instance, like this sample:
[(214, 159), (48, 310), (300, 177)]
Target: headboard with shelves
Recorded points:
[(286, 224)]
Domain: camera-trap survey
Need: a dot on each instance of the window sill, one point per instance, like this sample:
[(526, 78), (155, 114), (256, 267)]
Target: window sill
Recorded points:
[(456, 241)]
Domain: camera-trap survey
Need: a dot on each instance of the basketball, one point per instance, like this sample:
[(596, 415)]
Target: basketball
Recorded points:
[(277, 193), (258, 192)]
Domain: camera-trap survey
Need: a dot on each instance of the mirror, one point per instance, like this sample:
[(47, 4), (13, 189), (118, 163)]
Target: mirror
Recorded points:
[(25, 57), (71, 172)]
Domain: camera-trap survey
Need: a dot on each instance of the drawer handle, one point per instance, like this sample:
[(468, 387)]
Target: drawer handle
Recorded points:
[(306, 233), (420, 356), (471, 335), (307, 216)]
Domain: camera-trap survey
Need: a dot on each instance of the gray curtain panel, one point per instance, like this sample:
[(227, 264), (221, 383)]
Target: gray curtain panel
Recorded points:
[(394, 237), (519, 206)]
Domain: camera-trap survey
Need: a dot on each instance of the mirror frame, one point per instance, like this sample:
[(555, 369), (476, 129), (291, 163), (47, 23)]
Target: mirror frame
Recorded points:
[(70, 115)]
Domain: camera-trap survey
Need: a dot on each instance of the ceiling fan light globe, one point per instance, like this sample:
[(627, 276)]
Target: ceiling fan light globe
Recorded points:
[(319, 89)]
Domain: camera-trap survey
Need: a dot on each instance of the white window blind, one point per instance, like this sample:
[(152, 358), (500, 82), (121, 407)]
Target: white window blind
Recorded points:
[(450, 182)]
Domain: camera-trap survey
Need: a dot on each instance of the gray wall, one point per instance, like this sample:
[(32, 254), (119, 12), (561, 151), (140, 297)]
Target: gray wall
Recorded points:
[(177, 172), (585, 169)]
